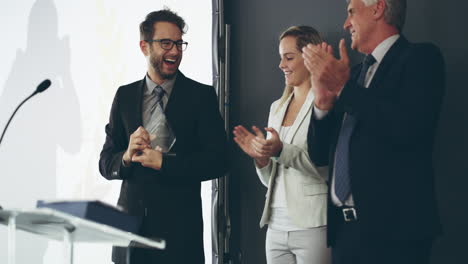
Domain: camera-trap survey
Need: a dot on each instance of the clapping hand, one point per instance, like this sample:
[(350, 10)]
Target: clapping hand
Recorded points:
[(328, 74), (256, 145)]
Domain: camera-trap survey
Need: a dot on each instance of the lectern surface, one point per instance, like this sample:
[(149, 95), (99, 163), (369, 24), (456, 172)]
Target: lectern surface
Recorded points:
[(52, 224)]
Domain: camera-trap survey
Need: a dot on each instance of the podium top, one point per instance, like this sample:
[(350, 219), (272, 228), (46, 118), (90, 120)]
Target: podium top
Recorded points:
[(52, 224)]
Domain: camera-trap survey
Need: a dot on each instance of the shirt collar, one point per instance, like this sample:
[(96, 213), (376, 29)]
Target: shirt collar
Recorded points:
[(167, 86), (380, 51)]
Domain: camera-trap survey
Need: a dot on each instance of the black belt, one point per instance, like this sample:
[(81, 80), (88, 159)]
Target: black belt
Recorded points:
[(349, 213)]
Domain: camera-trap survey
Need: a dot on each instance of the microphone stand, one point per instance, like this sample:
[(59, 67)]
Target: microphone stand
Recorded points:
[(11, 117), (40, 88)]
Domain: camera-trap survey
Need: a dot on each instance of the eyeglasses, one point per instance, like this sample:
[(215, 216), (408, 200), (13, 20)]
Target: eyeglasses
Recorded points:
[(167, 44)]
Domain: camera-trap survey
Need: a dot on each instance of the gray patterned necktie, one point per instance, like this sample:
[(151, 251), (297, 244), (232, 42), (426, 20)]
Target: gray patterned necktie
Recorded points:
[(158, 92), (342, 178), (154, 103), (157, 125)]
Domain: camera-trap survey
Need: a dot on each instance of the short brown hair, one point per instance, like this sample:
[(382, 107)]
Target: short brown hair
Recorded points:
[(165, 15)]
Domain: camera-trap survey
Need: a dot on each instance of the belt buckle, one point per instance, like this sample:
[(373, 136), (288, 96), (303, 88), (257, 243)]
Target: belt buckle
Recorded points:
[(349, 214)]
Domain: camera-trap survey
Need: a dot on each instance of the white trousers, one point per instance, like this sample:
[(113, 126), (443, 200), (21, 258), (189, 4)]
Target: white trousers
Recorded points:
[(297, 247)]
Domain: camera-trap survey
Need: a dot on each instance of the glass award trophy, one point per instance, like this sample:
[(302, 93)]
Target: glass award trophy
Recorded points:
[(160, 131)]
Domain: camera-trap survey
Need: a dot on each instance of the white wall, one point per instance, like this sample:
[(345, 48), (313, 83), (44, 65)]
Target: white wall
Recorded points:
[(87, 49)]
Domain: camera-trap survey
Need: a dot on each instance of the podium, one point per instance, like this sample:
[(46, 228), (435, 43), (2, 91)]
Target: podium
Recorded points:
[(70, 229)]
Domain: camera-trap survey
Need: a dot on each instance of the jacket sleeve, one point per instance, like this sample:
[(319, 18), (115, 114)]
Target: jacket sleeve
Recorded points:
[(298, 158), (110, 162), (319, 137), (265, 173)]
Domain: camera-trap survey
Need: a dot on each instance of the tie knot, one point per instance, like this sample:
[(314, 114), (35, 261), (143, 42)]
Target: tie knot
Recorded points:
[(158, 91), (369, 60)]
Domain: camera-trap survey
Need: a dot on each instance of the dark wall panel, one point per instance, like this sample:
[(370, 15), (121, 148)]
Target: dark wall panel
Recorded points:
[(256, 81)]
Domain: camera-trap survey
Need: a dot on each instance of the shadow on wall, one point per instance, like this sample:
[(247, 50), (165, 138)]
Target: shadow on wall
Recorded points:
[(47, 121)]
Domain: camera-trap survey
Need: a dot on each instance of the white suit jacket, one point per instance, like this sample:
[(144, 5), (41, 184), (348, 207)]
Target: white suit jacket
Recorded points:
[(305, 184)]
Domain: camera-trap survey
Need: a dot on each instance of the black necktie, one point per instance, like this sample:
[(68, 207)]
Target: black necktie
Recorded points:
[(342, 179)]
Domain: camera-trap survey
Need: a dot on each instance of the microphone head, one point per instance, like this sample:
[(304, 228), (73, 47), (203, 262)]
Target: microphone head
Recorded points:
[(43, 86)]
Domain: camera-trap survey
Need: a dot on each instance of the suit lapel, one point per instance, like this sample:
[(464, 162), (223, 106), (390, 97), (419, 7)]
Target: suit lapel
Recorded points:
[(175, 98), (387, 61), (178, 102), (305, 109), (279, 116), (133, 102)]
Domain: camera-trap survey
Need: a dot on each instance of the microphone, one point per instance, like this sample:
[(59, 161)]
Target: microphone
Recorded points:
[(43, 86), (40, 88)]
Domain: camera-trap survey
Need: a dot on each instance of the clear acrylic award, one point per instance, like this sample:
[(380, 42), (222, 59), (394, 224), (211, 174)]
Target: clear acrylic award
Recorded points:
[(161, 133)]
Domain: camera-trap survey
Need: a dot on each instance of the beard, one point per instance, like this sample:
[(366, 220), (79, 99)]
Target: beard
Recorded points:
[(156, 63)]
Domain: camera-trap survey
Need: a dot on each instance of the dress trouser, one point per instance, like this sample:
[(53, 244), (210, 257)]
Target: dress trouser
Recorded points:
[(301, 247), (349, 248)]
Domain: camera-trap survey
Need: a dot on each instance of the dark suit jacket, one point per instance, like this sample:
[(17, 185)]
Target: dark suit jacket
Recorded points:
[(391, 146), (168, 200)]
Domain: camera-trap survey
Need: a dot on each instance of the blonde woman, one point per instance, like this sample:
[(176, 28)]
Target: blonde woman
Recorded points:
[(296, 200)]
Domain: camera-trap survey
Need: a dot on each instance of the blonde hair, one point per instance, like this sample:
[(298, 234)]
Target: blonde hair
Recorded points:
[(304, 35)]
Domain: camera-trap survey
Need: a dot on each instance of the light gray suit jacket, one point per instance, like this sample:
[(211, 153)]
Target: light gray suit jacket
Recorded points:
[(305, 184)]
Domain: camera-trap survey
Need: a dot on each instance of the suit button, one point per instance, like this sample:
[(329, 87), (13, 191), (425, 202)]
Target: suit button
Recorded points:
[(114, 173)]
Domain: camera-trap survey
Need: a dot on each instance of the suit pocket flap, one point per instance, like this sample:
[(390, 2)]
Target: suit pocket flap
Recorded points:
[(314, 189)]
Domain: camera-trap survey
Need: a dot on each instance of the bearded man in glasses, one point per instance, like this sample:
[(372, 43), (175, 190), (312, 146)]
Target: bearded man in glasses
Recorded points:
[(164, 137)]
